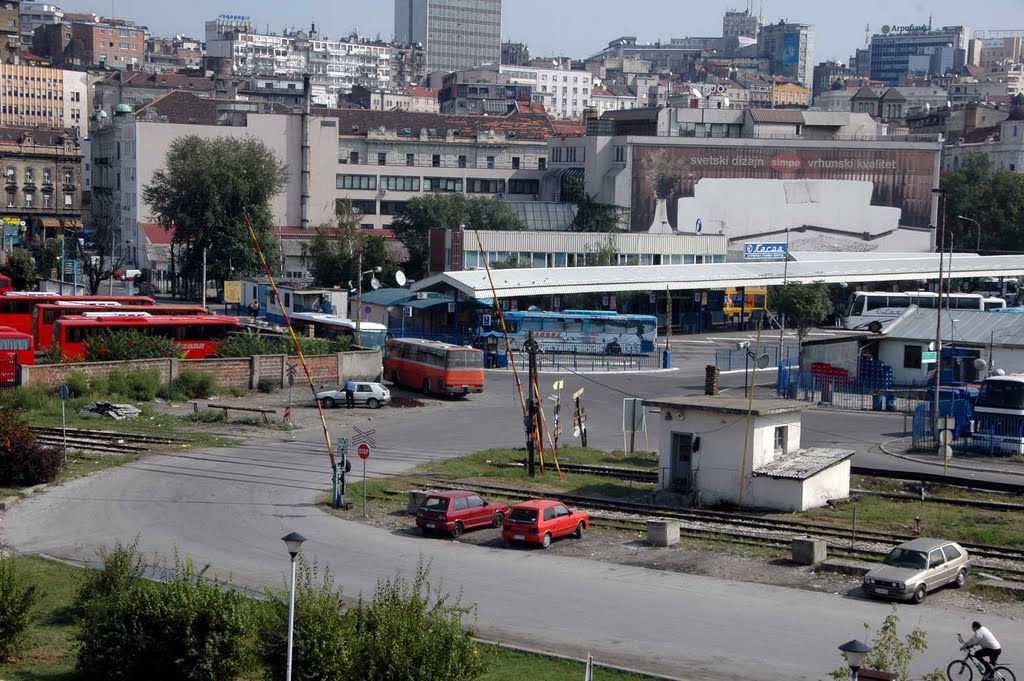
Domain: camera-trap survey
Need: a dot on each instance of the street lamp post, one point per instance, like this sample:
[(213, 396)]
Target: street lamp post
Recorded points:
[(294, 543), (855, 652), (359, 297), (977, 224)]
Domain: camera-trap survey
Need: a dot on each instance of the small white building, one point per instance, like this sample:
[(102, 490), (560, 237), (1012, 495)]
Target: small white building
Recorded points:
[(727, 450)]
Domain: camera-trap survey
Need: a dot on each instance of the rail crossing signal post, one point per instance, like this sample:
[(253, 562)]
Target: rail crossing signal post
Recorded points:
[(341, 467), (579, 418), (530, 422)]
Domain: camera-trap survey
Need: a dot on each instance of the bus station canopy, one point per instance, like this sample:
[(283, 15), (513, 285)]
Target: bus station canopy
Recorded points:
[(850, 268)]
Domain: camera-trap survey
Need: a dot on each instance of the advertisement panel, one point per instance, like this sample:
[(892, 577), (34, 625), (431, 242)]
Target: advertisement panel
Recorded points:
[(749, 190), (791, 48)]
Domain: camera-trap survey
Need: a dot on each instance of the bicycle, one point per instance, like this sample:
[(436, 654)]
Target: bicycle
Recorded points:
[(963, 670)]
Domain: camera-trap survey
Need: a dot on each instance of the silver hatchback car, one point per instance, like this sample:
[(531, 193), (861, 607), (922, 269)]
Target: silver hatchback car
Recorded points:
[(372, 395), (916, 567)]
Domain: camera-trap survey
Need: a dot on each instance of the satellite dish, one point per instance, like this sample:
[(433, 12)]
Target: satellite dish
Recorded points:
[(999, 372), (980, 364), (375, 283), (763, 361), (400, 278)]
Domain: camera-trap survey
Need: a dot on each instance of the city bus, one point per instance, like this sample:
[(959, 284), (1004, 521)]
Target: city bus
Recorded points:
[(434, 367), (15, 350), (332, 326), (16, 306), (588, 331), (870, 310), (44, 316), (197, 337), (999, 414)]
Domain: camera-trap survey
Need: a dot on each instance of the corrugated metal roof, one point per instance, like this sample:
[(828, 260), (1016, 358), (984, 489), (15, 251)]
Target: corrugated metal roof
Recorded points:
[(858, 267), (804, 464), (974, 327), (583, 242), (777, 116)]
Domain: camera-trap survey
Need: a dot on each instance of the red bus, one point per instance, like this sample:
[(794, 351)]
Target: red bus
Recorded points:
[(15, 350), (198, 337), (44, 316), (435, 367), (16, 307), (5, 283)]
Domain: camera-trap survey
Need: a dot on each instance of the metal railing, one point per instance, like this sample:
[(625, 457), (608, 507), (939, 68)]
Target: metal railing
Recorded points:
[(580, 361), (849, 392), (728, 359), (972, 433)]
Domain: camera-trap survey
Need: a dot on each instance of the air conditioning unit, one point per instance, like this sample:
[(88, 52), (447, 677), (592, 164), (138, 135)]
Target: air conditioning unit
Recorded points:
[(383, 192)]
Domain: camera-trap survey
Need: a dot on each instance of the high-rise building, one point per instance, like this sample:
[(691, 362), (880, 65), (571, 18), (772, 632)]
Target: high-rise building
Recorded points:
[(743, 24), (36, 14), (458, 35), (10, 31), (789, 49), (40, 96), (899, 50)]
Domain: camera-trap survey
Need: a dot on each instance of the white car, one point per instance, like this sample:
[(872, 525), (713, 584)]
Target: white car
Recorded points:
[(372, 395)]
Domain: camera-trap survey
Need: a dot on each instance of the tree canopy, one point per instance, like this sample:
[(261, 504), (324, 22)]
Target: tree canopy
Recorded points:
[(336, 247), (994, 199), (591, 215), (203, 191), (20, 268), (447, 211), (803, 305)]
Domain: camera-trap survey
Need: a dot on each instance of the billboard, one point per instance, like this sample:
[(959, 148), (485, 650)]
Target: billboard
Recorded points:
[(760, 189), (791, 48)]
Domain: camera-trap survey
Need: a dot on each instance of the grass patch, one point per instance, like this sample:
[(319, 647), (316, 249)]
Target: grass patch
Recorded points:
[(49, 653)]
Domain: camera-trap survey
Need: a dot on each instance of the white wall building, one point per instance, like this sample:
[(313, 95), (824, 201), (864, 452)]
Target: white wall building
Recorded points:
[(1004, 146), (566, 93), (711, 449)]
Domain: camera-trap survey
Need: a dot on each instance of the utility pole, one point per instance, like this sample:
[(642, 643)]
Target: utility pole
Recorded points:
[(785, 280), (202, 284), (359, 301), (530, 422), (938, 314)]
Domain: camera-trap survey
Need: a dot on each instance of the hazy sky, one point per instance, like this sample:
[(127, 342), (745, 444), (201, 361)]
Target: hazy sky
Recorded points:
[(578, 28)]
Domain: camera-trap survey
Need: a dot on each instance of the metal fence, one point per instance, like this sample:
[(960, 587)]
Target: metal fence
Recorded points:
[(972, 433), (849, 392), (581, 361), (728, 359)]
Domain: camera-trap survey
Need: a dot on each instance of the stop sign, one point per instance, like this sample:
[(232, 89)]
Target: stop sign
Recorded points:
[(363, 450)]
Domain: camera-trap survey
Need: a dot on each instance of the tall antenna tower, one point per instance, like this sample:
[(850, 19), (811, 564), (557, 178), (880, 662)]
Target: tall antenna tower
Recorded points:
[(867, 35)]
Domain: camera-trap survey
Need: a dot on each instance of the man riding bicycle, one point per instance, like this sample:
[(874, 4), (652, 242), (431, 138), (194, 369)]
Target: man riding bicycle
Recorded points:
[(989, 649)]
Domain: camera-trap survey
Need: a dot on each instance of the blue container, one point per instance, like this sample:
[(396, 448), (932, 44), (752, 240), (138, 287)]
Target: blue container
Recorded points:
[(876, 402), (666, 359)]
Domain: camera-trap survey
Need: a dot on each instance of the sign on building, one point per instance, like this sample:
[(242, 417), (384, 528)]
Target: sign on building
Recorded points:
[(764, 251)]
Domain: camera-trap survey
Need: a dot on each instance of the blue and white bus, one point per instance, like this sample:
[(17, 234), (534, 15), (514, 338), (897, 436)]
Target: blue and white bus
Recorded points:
[(999, 414), (587, 331), (872, 310), (333, 326)]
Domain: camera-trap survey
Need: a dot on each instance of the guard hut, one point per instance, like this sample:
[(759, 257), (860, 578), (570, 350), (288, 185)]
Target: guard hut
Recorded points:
[(711, 451)]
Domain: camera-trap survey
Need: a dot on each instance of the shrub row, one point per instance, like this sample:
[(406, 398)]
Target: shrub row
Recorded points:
[(23, 460)]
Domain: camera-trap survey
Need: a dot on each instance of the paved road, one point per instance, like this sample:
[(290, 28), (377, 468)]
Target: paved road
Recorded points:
[(229, 507)]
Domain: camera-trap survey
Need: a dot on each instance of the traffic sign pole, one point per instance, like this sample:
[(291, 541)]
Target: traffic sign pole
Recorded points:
[(364, 453), (64, 393), (364, 488)]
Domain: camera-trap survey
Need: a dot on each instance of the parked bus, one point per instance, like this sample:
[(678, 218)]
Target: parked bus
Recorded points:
[(752, 300), (434, 367), (5, 283), (590, 331), (999, 414), (15, 350), (332, 326), (44, 316), (871, 310), (197, 337), (16, 307)]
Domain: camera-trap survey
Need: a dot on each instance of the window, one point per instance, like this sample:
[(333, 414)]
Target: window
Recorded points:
[(11, 175), (382, 158), (28, 199), (781, 434), (911, 356), (30, 175), (951, 552), (570, 154), (682, 447), (542, 163), (435, 160), (462, 161), (442, 184), (524, 186), (515, 163), (353, 158), (69, 177), (394, 183), (484, 186), (490, 162), (68, 199), (620, 153), (357, 182), (475, 502), (410, 159), (47, 176), (935, 558), (46, 200), (461, 504)]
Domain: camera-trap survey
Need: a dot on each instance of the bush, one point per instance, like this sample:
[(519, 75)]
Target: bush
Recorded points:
[(16, 600), (51, 355), (320, 648), (191, 384), (251, 343), (268, 385), (78, 384), (184, 628), (246, 344), (141, 385), (28, 398), (121, 346), (23, 461), (412, 631)]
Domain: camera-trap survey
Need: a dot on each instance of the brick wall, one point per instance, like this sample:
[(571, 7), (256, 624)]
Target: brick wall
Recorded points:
[(234, 372), (55, 374)]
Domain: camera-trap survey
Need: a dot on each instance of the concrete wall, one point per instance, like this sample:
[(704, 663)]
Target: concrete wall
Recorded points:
[(233, 372), (842, 355), (891, 352)]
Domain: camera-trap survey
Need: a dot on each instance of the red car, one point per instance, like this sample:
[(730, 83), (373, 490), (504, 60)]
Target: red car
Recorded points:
[(453, 512), (538, 521)]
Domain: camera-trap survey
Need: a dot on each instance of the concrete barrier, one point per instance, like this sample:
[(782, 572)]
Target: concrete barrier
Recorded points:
[(809, 550), (662, 532)]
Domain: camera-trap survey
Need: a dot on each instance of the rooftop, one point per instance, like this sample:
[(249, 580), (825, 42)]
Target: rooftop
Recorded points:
[(972, 327), (162, 81), (44, 137), (525, 126), (728, 405), (777, 116), (804, 463), (179, 106)]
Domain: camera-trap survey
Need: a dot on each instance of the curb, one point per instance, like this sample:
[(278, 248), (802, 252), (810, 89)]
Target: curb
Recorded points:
[(9, 503), (960, 467), (569, 370), (569, 658), (29, 491)]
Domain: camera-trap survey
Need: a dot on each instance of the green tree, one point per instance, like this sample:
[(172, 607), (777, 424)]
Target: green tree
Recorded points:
[(17, 596), (99, 262), (994, 199), (591, 215), (204, 190), (335, 251), (447, 211), (21, 269), (49, 258), (893, 653), (803, 305)]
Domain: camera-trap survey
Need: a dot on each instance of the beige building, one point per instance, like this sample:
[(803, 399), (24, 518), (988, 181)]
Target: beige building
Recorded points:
[(40, 96)]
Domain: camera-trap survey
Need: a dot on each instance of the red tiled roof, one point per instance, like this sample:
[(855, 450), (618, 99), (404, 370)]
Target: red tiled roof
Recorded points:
[(417, 91), (156, 234), (776, 116), (180, 106), (570, 128), (530, 107), (163, 81)]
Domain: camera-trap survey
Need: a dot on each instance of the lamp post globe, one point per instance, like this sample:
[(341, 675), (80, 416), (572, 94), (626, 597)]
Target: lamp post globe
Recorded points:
[(293, 541), (855, 652)]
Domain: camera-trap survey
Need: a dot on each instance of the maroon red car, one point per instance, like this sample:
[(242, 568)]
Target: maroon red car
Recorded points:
[(538, 521), (453, 512)]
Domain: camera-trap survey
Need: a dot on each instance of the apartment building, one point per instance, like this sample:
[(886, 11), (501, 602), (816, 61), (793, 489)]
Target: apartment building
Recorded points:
[(42, 178), (565, 93), (39, 96)]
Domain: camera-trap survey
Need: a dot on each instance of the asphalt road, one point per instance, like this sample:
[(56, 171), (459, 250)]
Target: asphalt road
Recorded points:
[(229, 507)]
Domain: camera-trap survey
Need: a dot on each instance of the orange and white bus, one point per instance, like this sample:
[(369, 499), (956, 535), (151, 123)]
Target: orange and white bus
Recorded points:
[(434, 367)]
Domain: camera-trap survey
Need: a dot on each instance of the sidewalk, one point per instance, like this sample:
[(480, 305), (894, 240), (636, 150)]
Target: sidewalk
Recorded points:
[(901, 448)]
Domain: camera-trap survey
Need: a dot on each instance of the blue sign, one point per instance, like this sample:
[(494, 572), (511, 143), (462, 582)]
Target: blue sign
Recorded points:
[(699, 226), (791, 48), (767, 251)]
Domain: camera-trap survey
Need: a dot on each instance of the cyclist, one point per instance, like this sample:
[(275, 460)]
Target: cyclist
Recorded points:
[(990, 648)]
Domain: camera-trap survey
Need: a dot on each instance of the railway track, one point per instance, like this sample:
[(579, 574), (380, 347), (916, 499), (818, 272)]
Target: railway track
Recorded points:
[(102, 441), (747, 528)]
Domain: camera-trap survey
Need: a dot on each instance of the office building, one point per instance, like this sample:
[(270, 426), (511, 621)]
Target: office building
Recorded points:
[(42, 170), (458, 35), (565, 93), (789, 49), (901, 50), (91, 40), (10, 31), (39, 96), (515, 54), (743, 24)]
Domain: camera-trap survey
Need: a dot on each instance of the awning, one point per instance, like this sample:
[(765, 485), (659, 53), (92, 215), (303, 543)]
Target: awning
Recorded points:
[(57, 223)]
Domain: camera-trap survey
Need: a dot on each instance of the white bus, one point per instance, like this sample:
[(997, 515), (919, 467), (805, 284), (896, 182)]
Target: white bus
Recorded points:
[(870, 310), (999, 414)]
